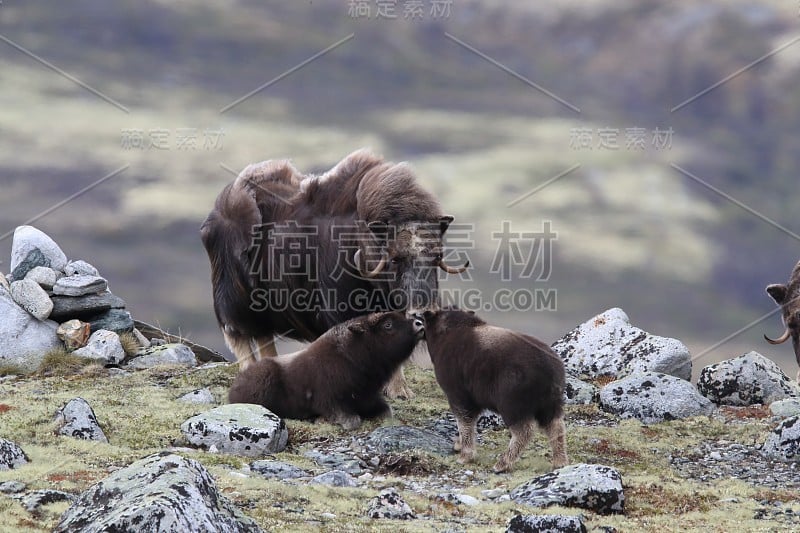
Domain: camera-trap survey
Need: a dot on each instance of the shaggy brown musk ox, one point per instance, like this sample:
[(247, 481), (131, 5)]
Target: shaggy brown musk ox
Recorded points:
[(788, 297), (486, 367), (338, 377), (363, 237)]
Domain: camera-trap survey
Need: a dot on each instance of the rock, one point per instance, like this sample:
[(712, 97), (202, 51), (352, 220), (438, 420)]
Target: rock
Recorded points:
[(31, 297), (79, 285), (11, 455), (579, 392), (492, 494), (162, 492), (165, 354), (80, 268), (608, 345), (652, 397), (403, 438), (783, 442), (117, 320), (74, 334), (43, 276), (549, 523), (277, 470), (458, 499), (334, 478), (12, 487), (104, 346), (389, 504), (37, 498), (87, 306), (23, 339), (198, 396), (785, 408), (77, 419), (594, 487), (746, 380), (27, 239), (34, 259), (238, 428), (4, 284), (336, 461)]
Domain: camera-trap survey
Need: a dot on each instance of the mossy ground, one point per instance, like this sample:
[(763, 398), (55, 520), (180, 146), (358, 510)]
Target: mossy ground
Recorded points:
[(140, 415)]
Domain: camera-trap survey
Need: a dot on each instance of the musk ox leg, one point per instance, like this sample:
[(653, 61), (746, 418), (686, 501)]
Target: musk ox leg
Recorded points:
[(521, 434), (264, 347), (248, 350), (397, 388), (465, 441), (556, 432)]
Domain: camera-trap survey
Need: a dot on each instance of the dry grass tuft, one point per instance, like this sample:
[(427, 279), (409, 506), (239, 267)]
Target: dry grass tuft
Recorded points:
[(59, 362), (129, 344)]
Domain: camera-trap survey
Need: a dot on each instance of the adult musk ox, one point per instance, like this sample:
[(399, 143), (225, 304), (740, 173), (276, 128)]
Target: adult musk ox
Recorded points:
[(486, 367), (338, 377), (294, 255), (788, 297)]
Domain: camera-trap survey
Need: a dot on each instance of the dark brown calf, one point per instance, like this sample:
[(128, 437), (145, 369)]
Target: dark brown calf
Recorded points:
[(485, 367), (338, 377)]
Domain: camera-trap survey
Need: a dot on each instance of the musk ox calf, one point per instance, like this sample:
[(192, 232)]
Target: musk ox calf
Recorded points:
[(338, 377), (788, 297), (486, 367)]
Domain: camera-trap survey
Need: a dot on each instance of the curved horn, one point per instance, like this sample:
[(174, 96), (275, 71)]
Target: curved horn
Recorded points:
[(783, 338), (453, 270), (373, 273)]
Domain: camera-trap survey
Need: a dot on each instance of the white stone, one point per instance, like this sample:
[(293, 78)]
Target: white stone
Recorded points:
[(198, 396), (77, 419), (594, 487), (104, 346), (785, 408), (24, 340), (79, 285), (46, 277), (80, 267), (164, 354), (238, 428), (783, 442), (11, 455), (746, 380), (31, 297), (26, 238)]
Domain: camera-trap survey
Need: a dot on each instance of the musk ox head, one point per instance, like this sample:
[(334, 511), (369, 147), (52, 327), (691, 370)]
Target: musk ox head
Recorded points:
[(394, 329), (788, 297)]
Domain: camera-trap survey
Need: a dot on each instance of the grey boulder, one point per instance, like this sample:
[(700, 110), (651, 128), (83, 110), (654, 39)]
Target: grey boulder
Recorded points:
[(103, 346), (594, 487), (79, 285), (11, 455), (653, 397), (579, 392), (69, 307), (26, 240), (389, 504), (405, 438), (23, 339), (77, 419), (785, 408), (32, 297), (277, 470), (37, 498), (80, 267), (746, 380), (162, 492), (608, 345), (334, 478), (783, 442), (163, 354), (116, 320), (546, 523), (238, 428)]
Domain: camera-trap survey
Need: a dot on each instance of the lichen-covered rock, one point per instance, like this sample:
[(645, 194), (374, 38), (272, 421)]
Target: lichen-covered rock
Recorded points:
[(549, 523), (80, 267), (653, 397), (783, 442), (336, 461), (785, 408), (79, 285), (277, 470), (579, 392), (12, 487), (87, 306), (162, 492), (23, 339), (334, 478), (746, 380), (43, 276), (37, 498), (403, 438), (77, 419), (32, 298), (389, 504), (594, 487), (31, 248), (608, 345), (164, 354), (198, 396), (103, 346), (11, 455), (238, 428)]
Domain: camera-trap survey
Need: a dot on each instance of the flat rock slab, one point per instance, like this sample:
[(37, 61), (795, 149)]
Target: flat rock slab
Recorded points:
[(162, 492), (69, 307), (403, 438), (79, 285), (277, 470), (164, 354), (32, 297), (746, 380), (238, 428), (334, 478), (594, 487), (783, 442), (11, 455), (23, 339), (104, 346), (550, 523), (27, 239), (579, 392), (389, 504), (77, 419), (608, 345), (653, 397), (336, 461)]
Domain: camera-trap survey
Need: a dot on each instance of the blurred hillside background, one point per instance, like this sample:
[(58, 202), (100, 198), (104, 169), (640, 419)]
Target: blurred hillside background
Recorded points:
[(570, 80)]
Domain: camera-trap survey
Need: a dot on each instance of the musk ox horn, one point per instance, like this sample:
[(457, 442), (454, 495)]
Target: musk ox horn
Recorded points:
[(783, 338), (373, 273), (453, 270)]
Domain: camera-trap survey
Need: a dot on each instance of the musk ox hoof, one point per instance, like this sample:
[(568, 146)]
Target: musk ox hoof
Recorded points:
[(456, 444), (500, 467), (465, 458), (399, 392), (560, 462)]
